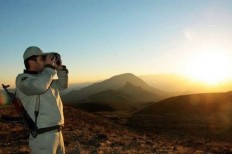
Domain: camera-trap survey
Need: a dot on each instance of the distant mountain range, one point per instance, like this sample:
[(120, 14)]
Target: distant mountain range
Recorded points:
[(113, 83), (121, 91)]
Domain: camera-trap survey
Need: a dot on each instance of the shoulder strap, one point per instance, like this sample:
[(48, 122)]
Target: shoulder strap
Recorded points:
[(37, 105)]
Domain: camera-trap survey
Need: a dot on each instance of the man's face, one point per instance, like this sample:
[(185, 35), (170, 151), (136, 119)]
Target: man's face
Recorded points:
[(39, 64)]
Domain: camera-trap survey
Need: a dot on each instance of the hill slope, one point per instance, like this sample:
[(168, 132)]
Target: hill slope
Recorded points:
[(207, 114), (138, 93), (88, 133), (201, 104), (127, 98)]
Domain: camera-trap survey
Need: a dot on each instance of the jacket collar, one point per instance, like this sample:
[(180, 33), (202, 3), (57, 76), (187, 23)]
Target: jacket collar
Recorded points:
[(31, 72)]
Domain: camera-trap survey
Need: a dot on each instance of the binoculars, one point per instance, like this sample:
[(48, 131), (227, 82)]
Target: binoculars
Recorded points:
[(55, 56)]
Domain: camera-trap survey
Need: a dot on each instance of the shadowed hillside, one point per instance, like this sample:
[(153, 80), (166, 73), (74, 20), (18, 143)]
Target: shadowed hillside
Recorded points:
[(128, 98), (207, 115), (137, 93)]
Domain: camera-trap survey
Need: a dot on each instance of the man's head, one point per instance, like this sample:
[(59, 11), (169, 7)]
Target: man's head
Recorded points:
[(33, 59)]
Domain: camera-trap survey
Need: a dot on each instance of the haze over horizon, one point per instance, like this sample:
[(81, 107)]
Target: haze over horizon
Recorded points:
[(100, 39)]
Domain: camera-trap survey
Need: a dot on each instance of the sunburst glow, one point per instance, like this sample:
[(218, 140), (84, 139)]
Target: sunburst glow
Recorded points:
[(210, 67)]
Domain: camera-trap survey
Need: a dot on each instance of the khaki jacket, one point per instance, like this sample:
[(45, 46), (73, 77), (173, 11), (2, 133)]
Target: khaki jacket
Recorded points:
[(32, 87)]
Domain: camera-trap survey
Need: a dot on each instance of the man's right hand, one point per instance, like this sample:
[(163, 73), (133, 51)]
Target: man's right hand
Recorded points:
[(49, 59)]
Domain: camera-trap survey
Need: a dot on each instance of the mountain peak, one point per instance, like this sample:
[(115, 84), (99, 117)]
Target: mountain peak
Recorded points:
[(120, 80), (125, 75)]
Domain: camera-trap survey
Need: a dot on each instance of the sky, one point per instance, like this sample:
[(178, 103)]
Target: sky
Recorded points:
[(98, 39)]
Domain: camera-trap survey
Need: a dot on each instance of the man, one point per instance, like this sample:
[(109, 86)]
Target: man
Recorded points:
[(39, 94)]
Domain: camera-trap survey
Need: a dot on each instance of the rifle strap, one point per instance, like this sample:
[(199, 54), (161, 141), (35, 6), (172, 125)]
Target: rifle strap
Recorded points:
[(37, 106), (48, 129)]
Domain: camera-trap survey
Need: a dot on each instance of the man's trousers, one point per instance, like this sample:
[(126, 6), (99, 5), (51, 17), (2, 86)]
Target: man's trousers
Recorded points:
[(47, 143)]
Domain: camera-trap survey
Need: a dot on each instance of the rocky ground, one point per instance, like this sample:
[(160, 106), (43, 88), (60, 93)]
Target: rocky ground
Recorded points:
[(89, 133)]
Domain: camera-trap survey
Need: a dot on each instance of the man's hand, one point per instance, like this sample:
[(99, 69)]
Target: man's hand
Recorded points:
[(49, 59), (59, 66)]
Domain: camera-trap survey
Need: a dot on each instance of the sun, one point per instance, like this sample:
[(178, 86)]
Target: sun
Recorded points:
[(209, 67)]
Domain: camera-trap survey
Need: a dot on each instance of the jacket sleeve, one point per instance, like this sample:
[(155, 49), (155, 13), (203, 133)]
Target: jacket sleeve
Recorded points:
[(62, 82), (37, 84)]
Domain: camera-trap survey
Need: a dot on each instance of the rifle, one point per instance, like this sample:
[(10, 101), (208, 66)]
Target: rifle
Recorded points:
[(22, 112)]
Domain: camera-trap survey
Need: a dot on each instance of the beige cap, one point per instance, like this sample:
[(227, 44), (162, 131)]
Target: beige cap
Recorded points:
[(32, 51)]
